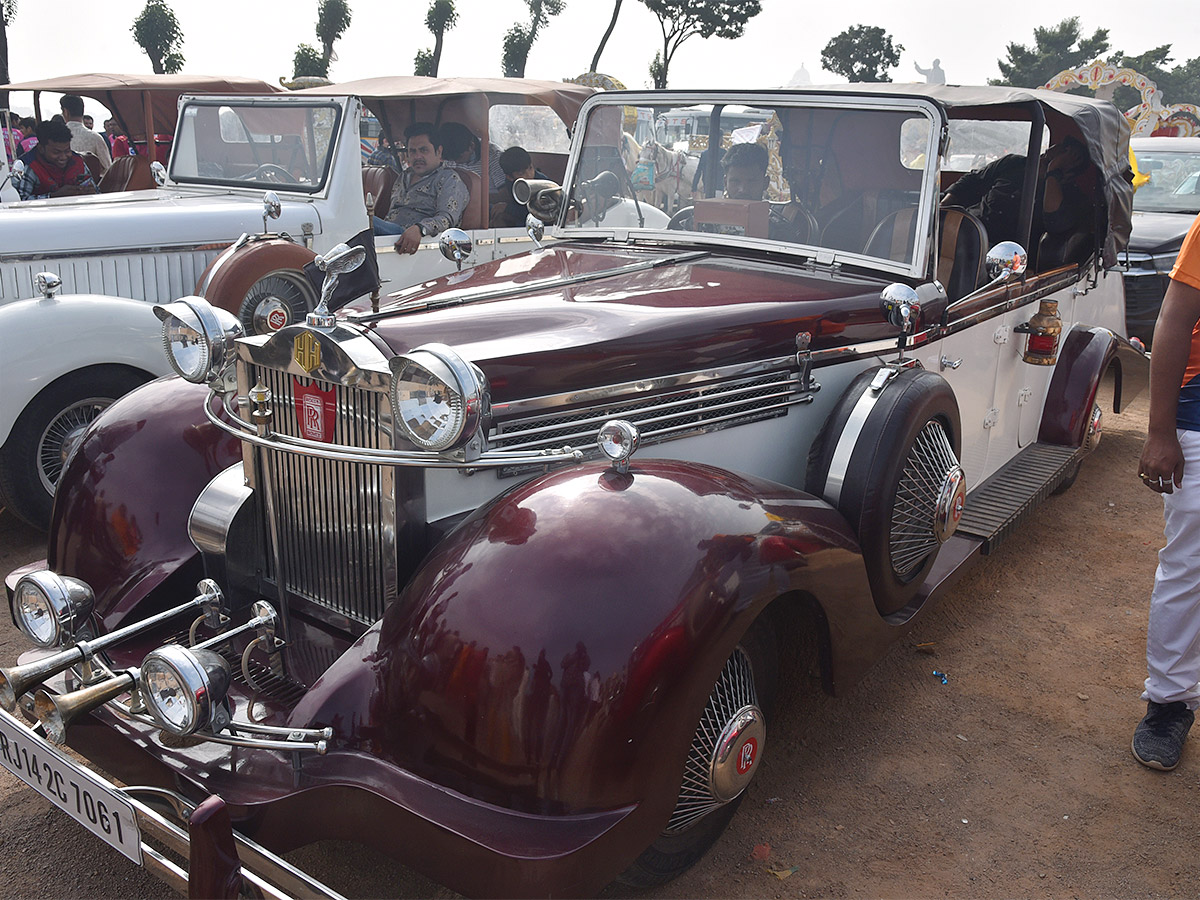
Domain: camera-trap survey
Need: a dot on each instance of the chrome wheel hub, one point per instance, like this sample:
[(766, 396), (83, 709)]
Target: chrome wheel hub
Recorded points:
[(726, 748), (737, 752), (929, 499), (271, 314)]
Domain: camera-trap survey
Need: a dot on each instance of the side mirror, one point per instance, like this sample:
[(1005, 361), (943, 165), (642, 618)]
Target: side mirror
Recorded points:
[(1005, 260), (159, 171), (272, 209), (338, 261), (456, 245), (18, 168), (900, 306)]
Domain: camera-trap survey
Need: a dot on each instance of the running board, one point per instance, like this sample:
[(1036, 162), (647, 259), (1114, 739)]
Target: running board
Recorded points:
[(994, 509)]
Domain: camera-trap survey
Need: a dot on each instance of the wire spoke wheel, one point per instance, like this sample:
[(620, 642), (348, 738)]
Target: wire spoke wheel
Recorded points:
[(276, 300), (916, 531), (732, 699), (61, 435)]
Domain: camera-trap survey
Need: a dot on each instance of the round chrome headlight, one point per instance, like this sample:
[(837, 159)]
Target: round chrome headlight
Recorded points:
[(49, 607), (197, 337), (438, 398), (618, 439), (182, 687)]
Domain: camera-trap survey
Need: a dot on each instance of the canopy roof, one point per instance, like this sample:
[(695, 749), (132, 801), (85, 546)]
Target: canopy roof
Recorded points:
[(136, 100), (397, 100)]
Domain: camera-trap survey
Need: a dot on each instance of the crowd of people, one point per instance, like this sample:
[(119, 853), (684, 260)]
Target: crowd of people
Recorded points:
[(73, 156)]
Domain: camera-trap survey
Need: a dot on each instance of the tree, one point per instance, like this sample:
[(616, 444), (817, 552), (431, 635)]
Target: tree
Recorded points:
[(333, 18), (1053, 50), (8, 11), (156, 31), (612, 23), (307, 62), (1179, 84), (441, 17), (682, 19), (518, 40), (861, 53)]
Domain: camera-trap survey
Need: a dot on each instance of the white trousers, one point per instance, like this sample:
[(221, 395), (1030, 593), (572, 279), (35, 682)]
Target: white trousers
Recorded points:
[(1173, 635)]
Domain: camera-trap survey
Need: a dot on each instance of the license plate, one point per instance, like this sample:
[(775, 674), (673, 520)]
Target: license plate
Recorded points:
[(82, 795)]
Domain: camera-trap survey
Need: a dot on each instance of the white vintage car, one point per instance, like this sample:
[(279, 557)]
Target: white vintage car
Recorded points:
[(182, 238)]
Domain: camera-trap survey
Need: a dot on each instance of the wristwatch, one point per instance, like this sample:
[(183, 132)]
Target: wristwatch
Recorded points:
[(421, 227)]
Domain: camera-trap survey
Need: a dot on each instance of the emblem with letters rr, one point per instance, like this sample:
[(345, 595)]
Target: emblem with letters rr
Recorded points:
[(307, 351), (316, 411)]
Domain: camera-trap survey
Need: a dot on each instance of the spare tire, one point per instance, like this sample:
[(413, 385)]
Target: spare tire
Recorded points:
[(262, 283), (887, 459)]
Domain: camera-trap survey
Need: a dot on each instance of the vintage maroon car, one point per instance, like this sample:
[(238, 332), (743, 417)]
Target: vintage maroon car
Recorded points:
[(496, 577)]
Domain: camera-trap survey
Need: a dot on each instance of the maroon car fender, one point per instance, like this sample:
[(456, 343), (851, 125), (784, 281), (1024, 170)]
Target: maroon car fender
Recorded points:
[(121, 510), (554, 652), (1083, 359)]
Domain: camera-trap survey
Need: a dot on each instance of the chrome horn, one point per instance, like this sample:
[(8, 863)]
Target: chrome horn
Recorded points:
[(17, 680), (57, 711)]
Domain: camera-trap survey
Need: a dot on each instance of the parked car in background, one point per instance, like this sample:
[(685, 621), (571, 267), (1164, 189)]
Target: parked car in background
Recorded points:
[(301, 148), (1163, 211), (496, 575)]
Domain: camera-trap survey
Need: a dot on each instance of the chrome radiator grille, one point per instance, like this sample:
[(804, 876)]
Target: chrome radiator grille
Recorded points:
[(336, 520), (658, 418)]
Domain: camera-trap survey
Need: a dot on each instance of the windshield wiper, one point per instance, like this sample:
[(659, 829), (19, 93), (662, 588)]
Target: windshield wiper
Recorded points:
[(443, 301)]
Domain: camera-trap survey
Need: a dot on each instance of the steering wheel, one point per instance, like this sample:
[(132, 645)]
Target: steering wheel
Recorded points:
[(683, 220), (269, 172)]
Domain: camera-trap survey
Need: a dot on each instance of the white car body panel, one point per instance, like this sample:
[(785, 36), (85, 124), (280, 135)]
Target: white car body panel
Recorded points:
[(42, 340)]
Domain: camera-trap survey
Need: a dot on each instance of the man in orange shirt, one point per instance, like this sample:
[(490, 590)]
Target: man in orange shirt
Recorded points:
[(1170, 465)]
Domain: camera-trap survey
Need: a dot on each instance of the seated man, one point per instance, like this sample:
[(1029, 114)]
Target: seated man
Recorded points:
[(384, 154), (516, 163), (52, 168), (745, 167), (462, 149), (428, 197)]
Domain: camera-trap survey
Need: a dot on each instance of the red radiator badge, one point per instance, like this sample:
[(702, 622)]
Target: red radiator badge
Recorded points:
[(316, 411)]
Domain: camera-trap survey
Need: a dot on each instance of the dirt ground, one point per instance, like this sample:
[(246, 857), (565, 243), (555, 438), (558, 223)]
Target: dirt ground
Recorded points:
[(1013, 778)]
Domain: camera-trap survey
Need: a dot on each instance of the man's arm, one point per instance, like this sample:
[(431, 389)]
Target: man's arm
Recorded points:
[(1161, 464)]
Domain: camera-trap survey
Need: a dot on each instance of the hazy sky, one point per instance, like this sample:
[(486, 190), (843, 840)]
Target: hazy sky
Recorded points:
[(258, 37)]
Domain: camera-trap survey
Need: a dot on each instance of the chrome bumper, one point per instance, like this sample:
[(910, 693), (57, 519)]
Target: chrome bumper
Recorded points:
[(221, 862)]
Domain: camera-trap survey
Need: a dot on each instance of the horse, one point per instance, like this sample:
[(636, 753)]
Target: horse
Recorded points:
[(673, 174), (630, 151)]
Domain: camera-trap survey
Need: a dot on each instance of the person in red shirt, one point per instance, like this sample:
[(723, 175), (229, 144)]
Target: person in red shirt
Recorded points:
[(52, 169), (1170, 465)]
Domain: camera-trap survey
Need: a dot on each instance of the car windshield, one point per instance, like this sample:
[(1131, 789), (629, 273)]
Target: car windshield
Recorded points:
[(257, 144), (1174, 178), (806, 176)]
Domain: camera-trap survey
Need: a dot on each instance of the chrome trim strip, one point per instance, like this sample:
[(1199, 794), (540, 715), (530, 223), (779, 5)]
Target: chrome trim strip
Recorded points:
[(590, 396), (108, 252), (840, 462), (782, 396), (344, 453)]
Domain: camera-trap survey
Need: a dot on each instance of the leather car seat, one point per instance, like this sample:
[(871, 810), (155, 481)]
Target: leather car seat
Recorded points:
[(962, 251), (475, 215), (379, 181), (127, 173)]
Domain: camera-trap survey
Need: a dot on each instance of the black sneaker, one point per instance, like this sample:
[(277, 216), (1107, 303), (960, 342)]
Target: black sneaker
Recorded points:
[(1158, 739)]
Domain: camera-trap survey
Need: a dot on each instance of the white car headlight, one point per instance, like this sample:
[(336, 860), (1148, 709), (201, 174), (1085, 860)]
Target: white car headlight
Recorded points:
[(438, 398), (49, 607), (182, 687), (197, 337)]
